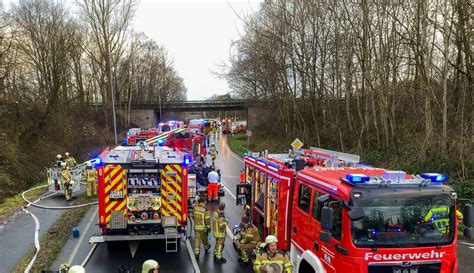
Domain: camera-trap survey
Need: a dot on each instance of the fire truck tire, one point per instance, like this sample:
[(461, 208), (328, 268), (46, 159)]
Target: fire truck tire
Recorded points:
[(305, 267)]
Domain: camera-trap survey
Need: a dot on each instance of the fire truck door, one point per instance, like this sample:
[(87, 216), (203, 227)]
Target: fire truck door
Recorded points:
[(301, 229), (172, 192)]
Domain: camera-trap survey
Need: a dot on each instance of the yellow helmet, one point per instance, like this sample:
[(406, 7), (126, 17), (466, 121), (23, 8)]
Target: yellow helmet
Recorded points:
[(268, 240), (76, 269), (149, 265)]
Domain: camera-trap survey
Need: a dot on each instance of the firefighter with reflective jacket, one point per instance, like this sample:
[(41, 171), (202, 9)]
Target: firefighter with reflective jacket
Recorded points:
[(150, 266), (90, 176), (439, 217), (70, 161), (270, 259), (213, 152), (59, 161), (219, 225), (202, 226), (249, 238), (66, 180)]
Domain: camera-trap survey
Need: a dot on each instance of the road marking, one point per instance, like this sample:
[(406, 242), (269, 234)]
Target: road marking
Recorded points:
[(464, 243), (229, 233), (232, 153), (193, 258), (83, 235), (231, 194)]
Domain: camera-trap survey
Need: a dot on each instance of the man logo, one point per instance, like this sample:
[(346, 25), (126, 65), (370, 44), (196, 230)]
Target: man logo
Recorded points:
[(405, 270)]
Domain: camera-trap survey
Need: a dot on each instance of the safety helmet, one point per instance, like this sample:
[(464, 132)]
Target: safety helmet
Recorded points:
[(66, 154), (59, 157), (63, 164), (268, 240), (76, 269), (149, 265)]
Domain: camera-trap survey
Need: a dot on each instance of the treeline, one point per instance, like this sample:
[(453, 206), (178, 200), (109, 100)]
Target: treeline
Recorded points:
[(60, 65), (392, 78)]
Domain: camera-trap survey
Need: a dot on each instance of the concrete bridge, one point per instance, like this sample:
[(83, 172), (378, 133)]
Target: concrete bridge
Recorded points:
[(147, 114)]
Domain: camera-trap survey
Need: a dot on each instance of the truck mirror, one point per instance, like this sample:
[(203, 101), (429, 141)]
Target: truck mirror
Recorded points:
[(467, 221), (324, 198), (356, 214), (325, 236), (327, 218)]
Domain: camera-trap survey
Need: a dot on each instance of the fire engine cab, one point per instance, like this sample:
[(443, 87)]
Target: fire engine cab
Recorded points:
[(333, 214), (143, 194)]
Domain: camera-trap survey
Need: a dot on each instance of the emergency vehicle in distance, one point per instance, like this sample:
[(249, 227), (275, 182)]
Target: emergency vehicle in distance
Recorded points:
[(336, 215), (134, 136), (142, 194)]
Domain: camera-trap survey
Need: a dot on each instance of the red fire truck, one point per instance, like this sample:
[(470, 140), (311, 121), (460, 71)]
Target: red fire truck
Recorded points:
[(143, 194), (136, 135), (335, 215)]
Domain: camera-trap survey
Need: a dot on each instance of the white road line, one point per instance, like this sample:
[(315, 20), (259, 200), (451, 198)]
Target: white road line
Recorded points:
[(232, 153), (83, 264), (227, 189), (229, 233), (193, 258), (83, 235), (464, 243)]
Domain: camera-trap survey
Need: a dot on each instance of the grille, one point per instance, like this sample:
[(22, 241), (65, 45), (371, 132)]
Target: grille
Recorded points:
[(117, 220), (415, 268)]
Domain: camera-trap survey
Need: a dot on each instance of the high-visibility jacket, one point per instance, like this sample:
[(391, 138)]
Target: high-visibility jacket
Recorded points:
[(70, 161), (280, 258), (250, 235), (202, 217), (65, 176), (219, 224), (90, 175), (440, 218)]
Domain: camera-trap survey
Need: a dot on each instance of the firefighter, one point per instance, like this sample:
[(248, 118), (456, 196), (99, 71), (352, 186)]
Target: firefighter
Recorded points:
[(213, 152), (66, 180), (90, 176), (271, 259), (213, 185), (202, 226), (70, 161), (59, 161), (249, 238), (219, 224), (439, 217), (150, 266)]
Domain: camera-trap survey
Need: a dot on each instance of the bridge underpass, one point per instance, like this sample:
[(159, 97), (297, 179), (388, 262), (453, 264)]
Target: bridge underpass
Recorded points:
[(147, 115)]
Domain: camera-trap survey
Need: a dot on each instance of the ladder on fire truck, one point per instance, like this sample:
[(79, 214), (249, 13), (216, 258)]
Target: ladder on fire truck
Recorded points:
[(332, 158), (171, 233)]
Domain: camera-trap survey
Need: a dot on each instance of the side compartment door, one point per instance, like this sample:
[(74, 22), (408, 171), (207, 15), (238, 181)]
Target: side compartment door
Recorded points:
[(113, 196)]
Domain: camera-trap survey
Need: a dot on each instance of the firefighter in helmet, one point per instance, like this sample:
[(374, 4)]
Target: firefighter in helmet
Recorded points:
[(66, 180), (70, 161), (90, 176), (249, 238), (59, 160), (150, 266), (213, 152), (271, 259), (219, 224), (202, 226)]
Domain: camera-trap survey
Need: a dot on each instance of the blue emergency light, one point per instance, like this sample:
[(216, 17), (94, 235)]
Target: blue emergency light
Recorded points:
[(357, 178), (161, 141), (187, 161), (434, 177)]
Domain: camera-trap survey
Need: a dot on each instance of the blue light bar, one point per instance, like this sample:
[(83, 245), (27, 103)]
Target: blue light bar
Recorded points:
[(357, 178), (434, 177), (161, 141)]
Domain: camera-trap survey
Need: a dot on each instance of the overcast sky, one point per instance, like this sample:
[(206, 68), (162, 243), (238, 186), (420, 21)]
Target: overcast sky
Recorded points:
[(197, 35)]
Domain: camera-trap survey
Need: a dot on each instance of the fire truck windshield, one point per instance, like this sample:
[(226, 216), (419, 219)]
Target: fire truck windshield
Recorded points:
[(404, 219)]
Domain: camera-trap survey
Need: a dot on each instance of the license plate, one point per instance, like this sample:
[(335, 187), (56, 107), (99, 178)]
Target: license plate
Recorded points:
[(115, 195), (405, 270)]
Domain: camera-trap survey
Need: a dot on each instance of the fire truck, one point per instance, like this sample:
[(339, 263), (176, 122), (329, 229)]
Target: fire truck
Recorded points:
[(183, 139), (142, 192), (334, 214), (136, 135)]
